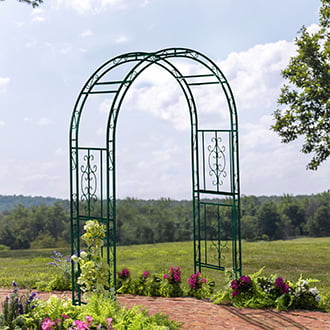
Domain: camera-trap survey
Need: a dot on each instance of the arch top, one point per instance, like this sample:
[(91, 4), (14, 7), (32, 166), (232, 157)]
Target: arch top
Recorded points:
[(99, 83)]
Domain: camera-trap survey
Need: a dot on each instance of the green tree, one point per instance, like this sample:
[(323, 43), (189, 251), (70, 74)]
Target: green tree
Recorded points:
[(269, 220), (249, 227), (292, 215), (304, 105), (319, 225)]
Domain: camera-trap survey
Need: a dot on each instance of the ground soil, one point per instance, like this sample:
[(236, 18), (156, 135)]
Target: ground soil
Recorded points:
[(197, 314)]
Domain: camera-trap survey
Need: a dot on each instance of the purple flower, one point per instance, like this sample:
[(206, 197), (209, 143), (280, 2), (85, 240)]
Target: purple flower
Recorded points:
[(281, 285), (173, 275), (195, 281), (124, 274), (234, 293), (234, 284), (145, 274)]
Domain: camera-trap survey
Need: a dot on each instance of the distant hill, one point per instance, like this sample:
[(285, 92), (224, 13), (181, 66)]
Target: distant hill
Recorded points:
[(7, 203)]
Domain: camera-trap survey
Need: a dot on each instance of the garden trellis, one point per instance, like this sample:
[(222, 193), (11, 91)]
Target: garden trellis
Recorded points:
[(214, 158)]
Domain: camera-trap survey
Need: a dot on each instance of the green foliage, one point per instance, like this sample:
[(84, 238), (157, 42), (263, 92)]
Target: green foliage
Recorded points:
[(60, 281), (99, 312), (93, 270), (256, 291), (165, 220), (4, 247), (14, 307), (306, 96)]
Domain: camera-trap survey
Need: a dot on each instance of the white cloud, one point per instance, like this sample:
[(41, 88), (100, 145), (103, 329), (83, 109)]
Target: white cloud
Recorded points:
[(37, 15), (87, 6), (3, 84), (86, 33), (105, 106), (44, 121), (121, 39), (255, 75), (60, 151), (2, 123), (65, 50)]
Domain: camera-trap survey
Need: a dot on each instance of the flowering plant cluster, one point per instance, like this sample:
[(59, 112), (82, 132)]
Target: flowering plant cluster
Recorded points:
[(99, 312), (173, 276), (16, 305), (124, 274), (241, 285), (196, 281), (256, 291), (65, 321)]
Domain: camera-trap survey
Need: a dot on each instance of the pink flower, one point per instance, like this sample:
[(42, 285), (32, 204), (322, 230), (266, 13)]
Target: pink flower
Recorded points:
[(89, 320), (124, 274), (65, 316), (80, 325), (145, 274), (109, 321), (47, 324)]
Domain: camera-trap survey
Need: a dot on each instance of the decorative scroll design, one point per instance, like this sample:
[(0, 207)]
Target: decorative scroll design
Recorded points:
[(217, 161), (91, 82), (73, 160), (75, 119), (88, 178)]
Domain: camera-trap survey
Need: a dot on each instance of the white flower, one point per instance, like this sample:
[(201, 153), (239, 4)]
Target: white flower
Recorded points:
[(83, 254), (313, 291)]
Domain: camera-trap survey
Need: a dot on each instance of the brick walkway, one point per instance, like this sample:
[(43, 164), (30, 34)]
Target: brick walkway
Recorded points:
[(197, 314)]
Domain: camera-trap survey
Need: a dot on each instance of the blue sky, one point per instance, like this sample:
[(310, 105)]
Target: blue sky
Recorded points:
[(48, 53)]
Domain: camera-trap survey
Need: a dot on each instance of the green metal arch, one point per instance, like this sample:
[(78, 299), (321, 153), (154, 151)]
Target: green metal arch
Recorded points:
[(142, 61)]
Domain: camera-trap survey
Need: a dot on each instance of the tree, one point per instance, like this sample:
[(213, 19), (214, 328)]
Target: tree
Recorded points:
[(269, 220), (306, 97), (33, 3)]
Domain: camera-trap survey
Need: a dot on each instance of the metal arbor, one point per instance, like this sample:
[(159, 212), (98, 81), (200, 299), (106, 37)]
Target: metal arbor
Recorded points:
[(214, 160)]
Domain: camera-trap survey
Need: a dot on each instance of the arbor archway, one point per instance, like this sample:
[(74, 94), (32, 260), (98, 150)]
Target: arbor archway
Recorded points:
[(214, 159)]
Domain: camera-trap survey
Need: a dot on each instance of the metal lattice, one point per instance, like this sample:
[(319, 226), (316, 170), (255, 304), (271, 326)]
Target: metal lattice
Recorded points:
[(214, 160)]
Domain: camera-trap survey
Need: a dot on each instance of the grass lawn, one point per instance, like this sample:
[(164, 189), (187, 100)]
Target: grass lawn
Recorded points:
[(307, 256)]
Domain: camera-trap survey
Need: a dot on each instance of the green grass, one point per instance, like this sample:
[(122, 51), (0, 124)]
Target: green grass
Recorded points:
[(307, 256)]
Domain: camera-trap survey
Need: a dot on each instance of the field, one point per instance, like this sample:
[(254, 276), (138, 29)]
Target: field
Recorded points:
[(307, 256)]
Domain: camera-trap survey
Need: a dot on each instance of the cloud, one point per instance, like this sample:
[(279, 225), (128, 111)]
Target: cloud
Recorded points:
[(2, 123), (255, 75), (44, 121), (3, 84), (86, 33), (37, 15), (88, 6), (121, 39)]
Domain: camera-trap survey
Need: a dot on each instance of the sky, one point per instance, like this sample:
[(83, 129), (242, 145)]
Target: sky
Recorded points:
[(48, 53)]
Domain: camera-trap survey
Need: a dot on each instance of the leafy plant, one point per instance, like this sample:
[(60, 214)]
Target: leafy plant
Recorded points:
[(93, 271), (256, 291), (172, 285), (99, 312), (14, 306), (197, 287)]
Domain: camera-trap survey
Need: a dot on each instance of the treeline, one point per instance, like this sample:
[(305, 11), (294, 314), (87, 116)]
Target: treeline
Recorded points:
[(166, 220), (8, 202)]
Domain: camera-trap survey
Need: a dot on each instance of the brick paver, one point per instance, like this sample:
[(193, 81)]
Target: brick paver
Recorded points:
[(200, 314)]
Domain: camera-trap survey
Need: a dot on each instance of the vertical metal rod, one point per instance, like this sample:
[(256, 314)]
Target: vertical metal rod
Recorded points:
[(205, 233), (203, 151), (219, 233)]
